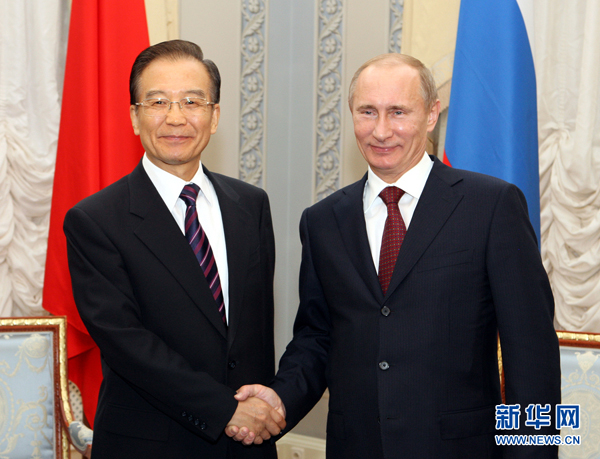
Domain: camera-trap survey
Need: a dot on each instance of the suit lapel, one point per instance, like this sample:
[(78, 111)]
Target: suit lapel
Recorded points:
[(235, 219), (350, 218), (160, 233), (436, 204)]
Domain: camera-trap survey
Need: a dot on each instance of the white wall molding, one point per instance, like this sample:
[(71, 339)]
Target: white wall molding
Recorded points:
[(396, 22), (329, 84), (252, 92), (294, 446)]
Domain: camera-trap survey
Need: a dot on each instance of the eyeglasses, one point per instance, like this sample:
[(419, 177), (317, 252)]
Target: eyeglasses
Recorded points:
[(189, 106)]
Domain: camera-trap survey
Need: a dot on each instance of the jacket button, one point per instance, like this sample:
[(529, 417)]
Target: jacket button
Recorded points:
[(196, 422), (203, 426), (184, 414), (385, 311), (232, 364), (190, 418), (384, 365)]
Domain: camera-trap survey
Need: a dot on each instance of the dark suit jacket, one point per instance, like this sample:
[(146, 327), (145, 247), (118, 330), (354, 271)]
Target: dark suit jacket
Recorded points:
[(413, 374), (170, 366)]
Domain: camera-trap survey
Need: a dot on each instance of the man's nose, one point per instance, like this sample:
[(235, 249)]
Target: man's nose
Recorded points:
[(383, 129), (175, 114)]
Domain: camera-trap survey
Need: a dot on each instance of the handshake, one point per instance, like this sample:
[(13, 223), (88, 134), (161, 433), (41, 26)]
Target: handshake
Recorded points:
[(260, 414)]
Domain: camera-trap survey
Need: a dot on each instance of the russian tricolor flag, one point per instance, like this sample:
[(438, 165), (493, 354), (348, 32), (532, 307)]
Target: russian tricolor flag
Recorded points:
[(492, 118)]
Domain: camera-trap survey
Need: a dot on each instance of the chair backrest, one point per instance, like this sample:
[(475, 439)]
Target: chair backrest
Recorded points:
[(580, 385), (33, 385)]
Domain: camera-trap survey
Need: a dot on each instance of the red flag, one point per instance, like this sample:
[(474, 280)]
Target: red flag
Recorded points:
[(96, 146)]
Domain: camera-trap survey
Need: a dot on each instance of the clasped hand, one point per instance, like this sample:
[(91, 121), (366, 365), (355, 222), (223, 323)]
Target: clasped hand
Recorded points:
[(260, 414)]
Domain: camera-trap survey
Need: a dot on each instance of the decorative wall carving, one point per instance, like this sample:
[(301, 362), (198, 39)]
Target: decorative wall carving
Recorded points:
[(252, 87), (329, 95), (396, 14)]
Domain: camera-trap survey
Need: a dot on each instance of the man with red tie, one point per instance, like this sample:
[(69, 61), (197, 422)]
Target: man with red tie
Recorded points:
[(172, 272), (407, 277)]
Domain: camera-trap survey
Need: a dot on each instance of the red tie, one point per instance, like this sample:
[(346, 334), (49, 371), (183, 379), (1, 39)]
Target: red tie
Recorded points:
[(393, 235)]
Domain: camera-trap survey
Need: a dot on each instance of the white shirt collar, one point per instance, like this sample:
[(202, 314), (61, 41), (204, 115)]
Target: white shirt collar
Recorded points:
[(169, 186), (412, 182)]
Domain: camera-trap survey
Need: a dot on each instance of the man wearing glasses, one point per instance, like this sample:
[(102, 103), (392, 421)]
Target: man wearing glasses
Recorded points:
[(172, 271)]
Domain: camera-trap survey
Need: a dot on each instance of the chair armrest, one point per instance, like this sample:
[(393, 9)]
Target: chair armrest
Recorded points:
[(81, 438)]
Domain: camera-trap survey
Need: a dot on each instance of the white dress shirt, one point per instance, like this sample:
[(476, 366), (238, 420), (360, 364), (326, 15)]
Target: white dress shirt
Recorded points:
[(412, 182), (169, 187)]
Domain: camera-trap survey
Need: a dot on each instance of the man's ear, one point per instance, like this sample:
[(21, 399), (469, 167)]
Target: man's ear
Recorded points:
[(133, 113), (214, 121), (434, 114)]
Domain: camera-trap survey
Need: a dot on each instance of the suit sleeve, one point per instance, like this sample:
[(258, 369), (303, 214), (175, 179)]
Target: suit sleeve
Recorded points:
[(267, 237), (300, 380), (525, 310), (106, 301)]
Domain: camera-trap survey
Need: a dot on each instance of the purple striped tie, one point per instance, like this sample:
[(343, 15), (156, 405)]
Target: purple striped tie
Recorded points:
[(201, 246)]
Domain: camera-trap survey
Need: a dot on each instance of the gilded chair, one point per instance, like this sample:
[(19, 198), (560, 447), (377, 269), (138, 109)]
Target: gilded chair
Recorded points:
[(36, 419), (580, 385)]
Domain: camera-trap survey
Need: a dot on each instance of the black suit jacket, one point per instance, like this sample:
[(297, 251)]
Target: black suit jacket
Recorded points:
[(170, 366), (413, 374)]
